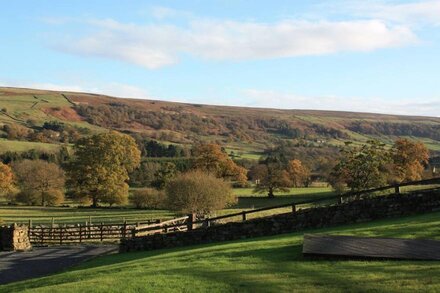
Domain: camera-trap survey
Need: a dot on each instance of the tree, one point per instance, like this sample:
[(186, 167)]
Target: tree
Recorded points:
[(7, 181), (361, 167), (272, 177), (40, 182), (198, 192), (409, 159), (166, 172), (211, 159), (99, 172), (299, 174)]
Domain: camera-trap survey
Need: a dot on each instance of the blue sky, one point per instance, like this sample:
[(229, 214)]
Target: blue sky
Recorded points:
[(372, 56)]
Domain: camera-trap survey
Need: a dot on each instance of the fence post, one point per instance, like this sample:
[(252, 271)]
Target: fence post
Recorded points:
[(29, 228), (61, 234), (102, 227), (397, 189), (80, 233), (190, 221), (124, 230), (243, 216)]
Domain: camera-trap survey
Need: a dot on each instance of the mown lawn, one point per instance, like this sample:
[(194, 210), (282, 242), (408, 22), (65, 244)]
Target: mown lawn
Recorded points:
[(269, 264)]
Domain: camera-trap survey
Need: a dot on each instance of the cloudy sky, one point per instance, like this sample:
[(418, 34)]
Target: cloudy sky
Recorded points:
[(372, 56)]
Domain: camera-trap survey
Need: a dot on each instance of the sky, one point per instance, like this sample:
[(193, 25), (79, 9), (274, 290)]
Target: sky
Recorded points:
[(368, 56)]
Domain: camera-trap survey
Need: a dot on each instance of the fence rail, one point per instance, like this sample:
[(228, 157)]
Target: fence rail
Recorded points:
[(192, 223), (63, 234)]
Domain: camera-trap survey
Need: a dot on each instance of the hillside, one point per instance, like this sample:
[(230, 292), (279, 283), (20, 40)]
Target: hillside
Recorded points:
[(246, 131)]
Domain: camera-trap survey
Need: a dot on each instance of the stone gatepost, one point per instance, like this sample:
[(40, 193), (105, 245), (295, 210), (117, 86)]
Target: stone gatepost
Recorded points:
[(15, 238)]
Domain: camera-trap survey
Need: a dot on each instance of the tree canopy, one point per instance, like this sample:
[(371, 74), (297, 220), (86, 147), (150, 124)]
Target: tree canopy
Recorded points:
[(362, 167), (99, 172), (409, 158), (271, 177), (7, 180), (212, 159), (40, 182)]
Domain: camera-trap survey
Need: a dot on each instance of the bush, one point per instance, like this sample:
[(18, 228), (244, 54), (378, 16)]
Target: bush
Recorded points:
[(51, 197), (197, 192), (148, 198)]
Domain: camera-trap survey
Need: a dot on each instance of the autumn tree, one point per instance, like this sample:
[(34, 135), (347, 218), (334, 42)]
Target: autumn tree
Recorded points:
[(271, 177), (7, 181), (99, 172), (40, 182), (409, 158), (211, 159), (298, 173), (198, 192), (362, 167)]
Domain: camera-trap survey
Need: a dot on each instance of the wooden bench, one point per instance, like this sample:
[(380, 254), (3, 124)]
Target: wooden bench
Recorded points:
[(366, 247)]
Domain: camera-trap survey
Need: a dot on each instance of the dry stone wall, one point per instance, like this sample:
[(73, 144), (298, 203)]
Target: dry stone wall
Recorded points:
[(14, 238), (351, 212)]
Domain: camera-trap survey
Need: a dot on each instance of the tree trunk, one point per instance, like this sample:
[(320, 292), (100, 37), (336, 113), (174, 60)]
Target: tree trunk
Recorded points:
[(270, 194), (94, 202), (42, 199)]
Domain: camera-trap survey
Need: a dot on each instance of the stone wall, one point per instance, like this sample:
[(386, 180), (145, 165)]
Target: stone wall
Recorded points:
[(352, 212), (15, 238)]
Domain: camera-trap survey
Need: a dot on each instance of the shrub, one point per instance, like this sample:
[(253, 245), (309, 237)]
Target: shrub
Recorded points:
[(198, 192), (51, 197), (148, 198)]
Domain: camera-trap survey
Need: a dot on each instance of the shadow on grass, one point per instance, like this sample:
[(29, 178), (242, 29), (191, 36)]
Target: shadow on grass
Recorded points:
[(269, 263)]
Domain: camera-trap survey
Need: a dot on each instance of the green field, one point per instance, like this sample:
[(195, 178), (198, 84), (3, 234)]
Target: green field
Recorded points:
[(269, 264), (11, 214), (44, 215), (22, 146), (293, 192)]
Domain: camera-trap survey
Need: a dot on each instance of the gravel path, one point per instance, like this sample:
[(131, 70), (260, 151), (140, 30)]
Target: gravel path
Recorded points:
[(41, 261)]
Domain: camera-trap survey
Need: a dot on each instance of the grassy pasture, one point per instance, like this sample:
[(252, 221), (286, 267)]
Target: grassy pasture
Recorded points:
[(22, 146), (267, 264), (44, 215), (245, 201), (71, 214)]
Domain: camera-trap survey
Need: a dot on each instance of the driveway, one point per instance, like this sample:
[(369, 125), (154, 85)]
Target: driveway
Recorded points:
[(42, 261)]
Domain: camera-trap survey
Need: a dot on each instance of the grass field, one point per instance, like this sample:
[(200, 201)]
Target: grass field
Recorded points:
[(246, 201), (40, 215), (269, 264), (300, 191), (21, 214), (22, 146)]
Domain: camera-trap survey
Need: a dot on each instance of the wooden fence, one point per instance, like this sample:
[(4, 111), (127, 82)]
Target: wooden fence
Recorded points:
[(64, 234), (103, 232), (80, 233), (192, 223)]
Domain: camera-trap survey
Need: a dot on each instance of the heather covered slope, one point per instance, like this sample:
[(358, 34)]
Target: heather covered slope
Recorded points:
[(248, 130)]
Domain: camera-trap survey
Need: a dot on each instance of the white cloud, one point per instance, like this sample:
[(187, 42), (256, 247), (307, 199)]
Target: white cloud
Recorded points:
[(275, 99), (157, 45), (412, 13)]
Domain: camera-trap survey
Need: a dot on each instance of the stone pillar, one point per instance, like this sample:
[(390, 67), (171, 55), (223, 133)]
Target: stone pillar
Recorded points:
[(14, 238)]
